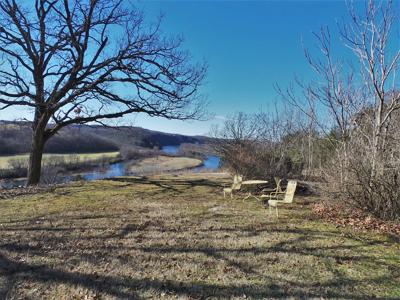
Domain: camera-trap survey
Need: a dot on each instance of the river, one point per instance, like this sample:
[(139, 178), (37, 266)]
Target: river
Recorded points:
[(211, 163)]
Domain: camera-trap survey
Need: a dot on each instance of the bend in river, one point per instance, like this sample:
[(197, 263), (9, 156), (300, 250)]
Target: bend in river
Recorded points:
[(211, 162)]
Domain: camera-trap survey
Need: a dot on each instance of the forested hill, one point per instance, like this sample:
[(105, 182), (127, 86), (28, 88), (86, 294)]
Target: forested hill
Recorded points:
[(15, 137)]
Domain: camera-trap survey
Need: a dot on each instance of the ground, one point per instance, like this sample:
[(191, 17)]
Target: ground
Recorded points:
[(161, 163), (171, 237), (4, 160)]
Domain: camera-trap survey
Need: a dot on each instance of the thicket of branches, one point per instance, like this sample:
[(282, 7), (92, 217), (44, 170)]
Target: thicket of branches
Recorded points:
[(265, 145), (350, 136)]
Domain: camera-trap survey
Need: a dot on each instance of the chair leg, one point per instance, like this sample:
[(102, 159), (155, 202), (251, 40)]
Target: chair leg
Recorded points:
[(276, 209), (224, 194)]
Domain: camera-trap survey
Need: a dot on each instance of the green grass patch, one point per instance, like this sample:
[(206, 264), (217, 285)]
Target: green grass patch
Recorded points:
[(177, 237)]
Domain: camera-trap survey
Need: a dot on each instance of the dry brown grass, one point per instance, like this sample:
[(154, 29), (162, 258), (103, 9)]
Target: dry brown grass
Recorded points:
[(161, 163), (176, 237), (48, 158)]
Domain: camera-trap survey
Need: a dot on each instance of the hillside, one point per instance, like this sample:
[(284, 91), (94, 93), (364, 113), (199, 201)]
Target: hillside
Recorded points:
[(15, 138), (176, 237)]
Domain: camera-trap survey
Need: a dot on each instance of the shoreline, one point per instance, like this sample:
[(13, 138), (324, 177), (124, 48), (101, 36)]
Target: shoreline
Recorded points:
[(156, 165), (163, 164)]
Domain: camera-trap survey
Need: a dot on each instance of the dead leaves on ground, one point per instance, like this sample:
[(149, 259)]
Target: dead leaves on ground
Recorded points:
[(355, 218)]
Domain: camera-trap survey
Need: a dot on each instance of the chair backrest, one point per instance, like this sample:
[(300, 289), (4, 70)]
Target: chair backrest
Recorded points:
[(290, 190), (278, 184), (236, 186), (237, 182), (237, 178)]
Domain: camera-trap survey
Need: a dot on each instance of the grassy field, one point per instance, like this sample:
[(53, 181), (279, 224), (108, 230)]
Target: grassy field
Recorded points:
[(171, 237), (160, 164), (4, 160)]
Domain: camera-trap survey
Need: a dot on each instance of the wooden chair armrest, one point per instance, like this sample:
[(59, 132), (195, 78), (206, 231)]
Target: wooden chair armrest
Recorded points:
[(268, 190), (275, 196)]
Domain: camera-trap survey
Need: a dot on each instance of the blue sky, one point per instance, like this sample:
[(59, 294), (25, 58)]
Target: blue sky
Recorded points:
[(248, 45)]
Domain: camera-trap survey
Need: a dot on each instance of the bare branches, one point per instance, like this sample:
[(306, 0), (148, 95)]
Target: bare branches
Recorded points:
[(356, 106), (262, 145), (80, 61), (100, 51), (344, 92), (372, 40)]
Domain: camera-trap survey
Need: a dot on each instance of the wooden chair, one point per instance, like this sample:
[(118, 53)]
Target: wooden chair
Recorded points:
[(286, 197), (237, 184)]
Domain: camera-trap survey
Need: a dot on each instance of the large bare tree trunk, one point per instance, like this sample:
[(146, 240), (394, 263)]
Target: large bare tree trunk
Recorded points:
[(36, 154)]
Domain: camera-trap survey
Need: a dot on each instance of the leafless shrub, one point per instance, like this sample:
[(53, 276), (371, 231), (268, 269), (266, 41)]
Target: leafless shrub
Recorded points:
[(18, 164), (372, 183), (255, 145), (17, 168), (50, 174), (357, 110)]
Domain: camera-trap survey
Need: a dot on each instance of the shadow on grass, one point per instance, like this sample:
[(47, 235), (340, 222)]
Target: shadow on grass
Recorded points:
[(127, 288), (29, 251), (131, 288), (168, 183)]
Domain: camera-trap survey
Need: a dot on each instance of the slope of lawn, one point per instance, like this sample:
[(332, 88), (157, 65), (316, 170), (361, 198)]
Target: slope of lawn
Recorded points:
[(174, 237)]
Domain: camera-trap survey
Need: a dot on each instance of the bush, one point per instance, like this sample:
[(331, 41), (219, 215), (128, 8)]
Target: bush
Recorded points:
[(379, 195), (50, 174), (255, 146), (257, 161), (365, 181)]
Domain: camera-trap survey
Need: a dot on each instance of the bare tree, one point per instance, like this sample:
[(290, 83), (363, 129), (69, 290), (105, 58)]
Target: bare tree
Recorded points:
[(235, 142), (372, 39), (357, 100), (80, 61)]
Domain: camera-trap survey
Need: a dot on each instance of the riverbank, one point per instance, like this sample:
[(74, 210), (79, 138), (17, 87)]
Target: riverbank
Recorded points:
[(7, 162), (161, 164), (110, 167), (15, 167)]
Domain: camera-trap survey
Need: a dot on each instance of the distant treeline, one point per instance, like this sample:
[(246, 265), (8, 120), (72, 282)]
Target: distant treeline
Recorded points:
[(18, 140), (15, 138)]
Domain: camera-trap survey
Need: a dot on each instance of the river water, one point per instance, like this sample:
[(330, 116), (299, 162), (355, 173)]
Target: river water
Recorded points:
[(211, 163)]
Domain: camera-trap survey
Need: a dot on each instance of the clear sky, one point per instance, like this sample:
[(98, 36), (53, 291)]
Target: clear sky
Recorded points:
[(248, 45)]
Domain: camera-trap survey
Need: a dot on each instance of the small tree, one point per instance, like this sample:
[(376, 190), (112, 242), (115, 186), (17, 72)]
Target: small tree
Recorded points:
[(80, 61), (236, 143)]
